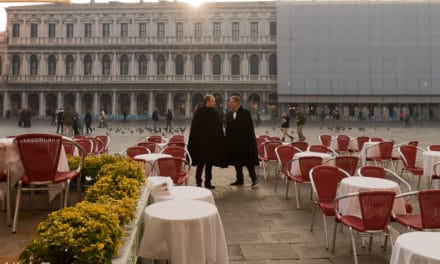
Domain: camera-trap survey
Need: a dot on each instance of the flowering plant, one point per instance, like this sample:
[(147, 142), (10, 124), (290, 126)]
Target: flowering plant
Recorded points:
[(86, 233)]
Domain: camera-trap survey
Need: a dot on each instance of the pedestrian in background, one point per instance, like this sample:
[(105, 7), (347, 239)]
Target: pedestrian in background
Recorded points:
[(169, 118), (68, 120), (300, 121), (155, 118), (285, 124), (60, 120), (88, 122)]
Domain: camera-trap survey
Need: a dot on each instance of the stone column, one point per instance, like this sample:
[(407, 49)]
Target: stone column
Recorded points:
[(225, 66), (96, 70), (151, 68), (24, 66), (244, 65), (132, 65), (188, 109), (188, 66), (169, 66), (24, 100), (150, 104), (114, 103), (207, 67), (42, 65), (96, 104), (263, 67), (6, 103), (114, 65), (42, 104), (60, 66), (132, 104), (78, 102), (60, 100)]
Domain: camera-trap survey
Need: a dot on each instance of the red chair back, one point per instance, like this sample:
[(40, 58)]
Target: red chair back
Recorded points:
[(347, 163), (318, 148), (386, 149), (269, 150), (325, 140), (372, 171), (174, 151), (136, 150), (409, 154), (155, 139), (306, 164), (361, 141), (285, 153), (325, 181), (434, 148), (429, 201), (39, 154), (260, 147), (98, 145), (342, 142), (106, 140), (87, 144), (177, 137), (177, 144), (150, 145), (376, 139), (376, 209), (174, 167), (69, 148), (302, 145)]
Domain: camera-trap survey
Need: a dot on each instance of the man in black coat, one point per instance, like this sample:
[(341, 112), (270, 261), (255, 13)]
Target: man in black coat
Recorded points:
[(240, 141), (206, 141)]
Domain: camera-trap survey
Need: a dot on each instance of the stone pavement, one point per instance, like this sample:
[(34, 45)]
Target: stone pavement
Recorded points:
[(260, 225)]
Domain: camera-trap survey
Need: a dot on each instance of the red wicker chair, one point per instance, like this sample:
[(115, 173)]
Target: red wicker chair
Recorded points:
[(284, 153), (176, 168), (325, 140), (133, 151)]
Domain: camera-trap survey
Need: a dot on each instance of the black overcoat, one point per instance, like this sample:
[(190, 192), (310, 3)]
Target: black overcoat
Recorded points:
[(240, 139), (206, 138)]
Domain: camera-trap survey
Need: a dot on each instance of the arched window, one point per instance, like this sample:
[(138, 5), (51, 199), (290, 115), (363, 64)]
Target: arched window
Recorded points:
[(69, 65), (254, 62), (235, 65), (273, 65), (106, 64), (15, 65), (179, 64), (87, 65), (198, 63), (161, 64), (33, 64), (142, 65), (123, 65), (51, 65), (216, 65)]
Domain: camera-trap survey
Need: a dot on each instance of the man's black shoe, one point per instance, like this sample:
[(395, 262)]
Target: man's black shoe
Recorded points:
[(255, 184), (212, 187), (236, 183)]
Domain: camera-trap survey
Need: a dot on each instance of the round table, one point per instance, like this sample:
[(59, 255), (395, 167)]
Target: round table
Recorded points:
[(186, 231), (429, 159), (295, 165), (150, 159), (185, 193), (416, 247), (350, 206)]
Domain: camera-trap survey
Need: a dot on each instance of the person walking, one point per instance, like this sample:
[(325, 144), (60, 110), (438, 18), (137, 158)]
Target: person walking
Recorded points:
[(300, 121), (285, 124), (155, 118), (60, 120), (240, 142), (68, 120), (102, 119), (169, 118), (206, 141), (88, 122)]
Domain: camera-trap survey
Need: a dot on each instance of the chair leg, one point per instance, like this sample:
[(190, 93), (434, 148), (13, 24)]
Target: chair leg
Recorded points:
[(370, 243), (287, 189), (418, 182), (313, 218), (17, 207), (265, 170), (324, 222), (297, 195), (353, 246), (334, 236), (66, 196)]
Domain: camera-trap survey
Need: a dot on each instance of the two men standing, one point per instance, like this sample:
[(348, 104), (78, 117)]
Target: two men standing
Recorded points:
[(209, 146)]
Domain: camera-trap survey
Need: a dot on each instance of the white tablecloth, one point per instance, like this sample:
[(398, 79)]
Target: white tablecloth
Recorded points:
[(370, 149), (350, 206), (416, 248), (185, 232), (150, 158), (429, 159), (185, 193), (295, 165)]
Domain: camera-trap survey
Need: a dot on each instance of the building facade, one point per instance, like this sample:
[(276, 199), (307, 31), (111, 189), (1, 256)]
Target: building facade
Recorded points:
[(136, 57)]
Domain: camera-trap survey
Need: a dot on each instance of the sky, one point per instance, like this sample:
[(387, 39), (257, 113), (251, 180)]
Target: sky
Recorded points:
[(3, 5)]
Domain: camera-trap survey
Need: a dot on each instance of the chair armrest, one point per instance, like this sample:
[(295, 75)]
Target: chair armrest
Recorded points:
[(82, 151), (338, 198)]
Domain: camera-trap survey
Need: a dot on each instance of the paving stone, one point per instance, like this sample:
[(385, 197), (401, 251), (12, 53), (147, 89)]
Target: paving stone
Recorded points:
[(247, 238), (268, 251), (234, 252)]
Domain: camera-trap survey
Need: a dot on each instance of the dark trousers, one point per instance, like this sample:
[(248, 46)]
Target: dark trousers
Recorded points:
[(239, 173), (208, 173)]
